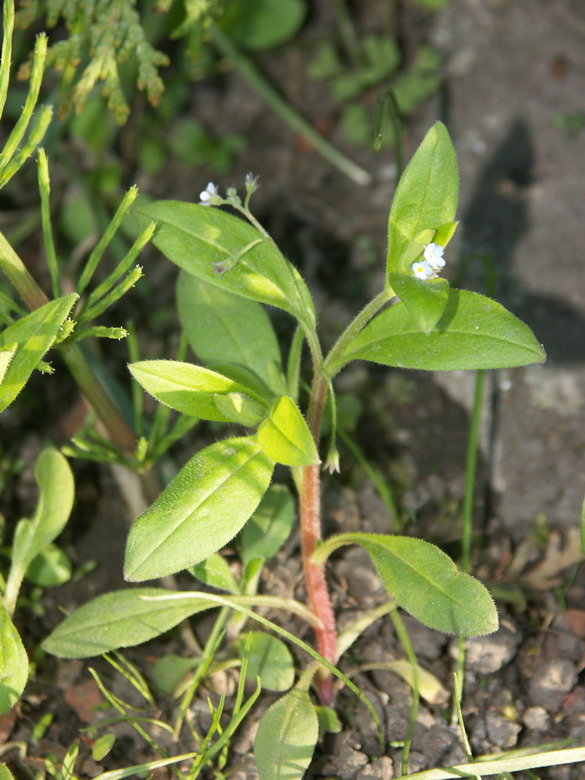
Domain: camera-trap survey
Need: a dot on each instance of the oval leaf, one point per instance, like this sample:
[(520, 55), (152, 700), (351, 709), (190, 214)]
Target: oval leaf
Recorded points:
[(270, 525), (426, 196), (56, 490), (285, 437), (474, 332), (226, 328), (268, 658), (202, 508), (123, 618), (260, 24), (202, 240), (425, 582), (188, 388), (286, 737), (33, 335), (13, 662)]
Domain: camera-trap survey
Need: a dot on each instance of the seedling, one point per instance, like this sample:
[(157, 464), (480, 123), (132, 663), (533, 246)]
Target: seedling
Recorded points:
[(230, 267)]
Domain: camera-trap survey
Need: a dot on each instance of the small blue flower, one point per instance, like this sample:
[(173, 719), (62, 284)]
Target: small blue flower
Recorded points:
[(209, 196), (433, 254), (422, 270)]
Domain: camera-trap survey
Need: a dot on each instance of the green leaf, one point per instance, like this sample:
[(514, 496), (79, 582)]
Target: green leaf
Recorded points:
[(425, 299), (50, 568), (201, 239), (216, 572), (5, 773), (425, 582), (188, 388), (226, 328), (474, 332), (286, 737), (33, 335), (56, 489), (260, 24), (285, 437), (270, 525), (123, 618), (240, 408), (203, 507), (426, 196), (170, 670), (13, 662), (268, 658)]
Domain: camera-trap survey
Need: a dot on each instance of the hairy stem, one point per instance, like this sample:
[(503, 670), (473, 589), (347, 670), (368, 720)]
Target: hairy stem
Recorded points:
[(310, 511)]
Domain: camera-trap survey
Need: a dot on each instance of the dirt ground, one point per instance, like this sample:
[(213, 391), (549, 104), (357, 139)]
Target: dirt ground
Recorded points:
[(513, 69)]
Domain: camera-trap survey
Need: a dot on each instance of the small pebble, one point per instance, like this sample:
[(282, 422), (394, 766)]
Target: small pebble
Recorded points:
[(551, 682), (488, 654), (535, 718), (380, 769)]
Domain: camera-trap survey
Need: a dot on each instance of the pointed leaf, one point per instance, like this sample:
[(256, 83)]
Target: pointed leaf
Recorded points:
[(56, 489), (425, 582), (216, 572), (203, 507), (33, 335), (188, 388), (426, 196), (285, 437), (123, 618), (425, 299), (223, 327), (474, 332), (286, 737), (13, 662), (229, 253), (270, 525), (269, 659)]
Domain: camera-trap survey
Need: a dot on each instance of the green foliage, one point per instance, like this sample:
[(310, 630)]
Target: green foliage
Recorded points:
[(27, 341), (209, 500), (261, 24), (474, 332), (269, 659), (13, 662), (270, 525), (32, 548), (224, 251), (426, 583), (102, 35), (286, 737), (284, 435)]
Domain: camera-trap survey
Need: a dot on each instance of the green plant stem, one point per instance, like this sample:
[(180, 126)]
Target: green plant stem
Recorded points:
[(118, 431), (333, 361), (470, 469), (310, 519), (8, 28), (285, 111), (19, 277)]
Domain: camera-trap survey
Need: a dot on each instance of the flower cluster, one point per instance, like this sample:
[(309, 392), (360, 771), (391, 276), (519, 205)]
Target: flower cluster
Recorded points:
[(210, 195), (432, 264)]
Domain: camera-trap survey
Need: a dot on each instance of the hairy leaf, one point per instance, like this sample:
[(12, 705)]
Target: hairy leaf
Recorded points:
[(13, 662), (268, 658), (474, 332), (286, 737), (204, 241), (285, 437), (123, 618), (203, 507)]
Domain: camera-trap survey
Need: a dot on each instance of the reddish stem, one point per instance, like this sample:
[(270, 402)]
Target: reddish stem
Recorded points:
[(317, 592)]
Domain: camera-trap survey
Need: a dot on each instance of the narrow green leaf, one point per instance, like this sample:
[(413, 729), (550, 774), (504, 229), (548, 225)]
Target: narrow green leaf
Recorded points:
[(203, 507), (216, 572), (56, 490), (202, 240), (123, 618), (34, 334), (474, 332), (286, 737), (188, 388), (269, 659), (270, 525), (425, 582), (285, 437), (226, 328), (426, 196), (13, 662)]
